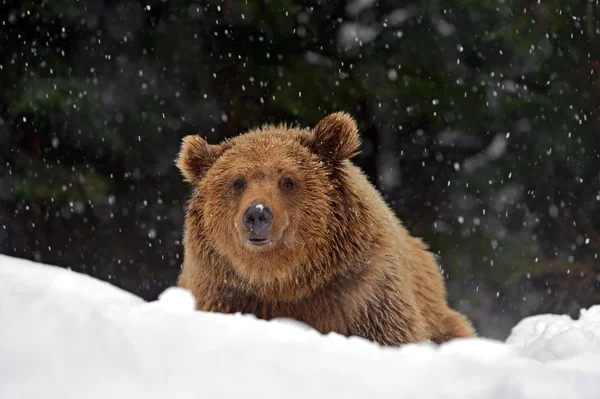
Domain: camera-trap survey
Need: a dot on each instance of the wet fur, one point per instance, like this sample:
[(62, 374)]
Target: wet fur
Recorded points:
[(347, 264)]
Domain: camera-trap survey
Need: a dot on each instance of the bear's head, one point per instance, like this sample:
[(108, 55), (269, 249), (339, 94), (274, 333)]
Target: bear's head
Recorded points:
[(265, 200)]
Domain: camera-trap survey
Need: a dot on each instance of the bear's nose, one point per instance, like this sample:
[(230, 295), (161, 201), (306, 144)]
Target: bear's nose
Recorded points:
[(257, 219)]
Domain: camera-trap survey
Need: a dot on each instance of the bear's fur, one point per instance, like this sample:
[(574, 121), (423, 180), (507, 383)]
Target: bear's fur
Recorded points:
[(336, 257)]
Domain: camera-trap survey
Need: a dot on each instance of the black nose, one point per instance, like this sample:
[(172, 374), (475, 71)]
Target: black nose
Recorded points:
[(257, 219)]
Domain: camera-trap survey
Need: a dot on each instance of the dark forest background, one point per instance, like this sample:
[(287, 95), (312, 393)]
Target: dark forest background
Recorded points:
[(480, 122)]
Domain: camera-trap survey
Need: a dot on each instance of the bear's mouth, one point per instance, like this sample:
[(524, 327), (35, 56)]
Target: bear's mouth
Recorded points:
[(259, 241)]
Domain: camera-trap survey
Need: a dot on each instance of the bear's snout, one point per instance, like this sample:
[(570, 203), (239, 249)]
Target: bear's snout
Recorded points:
[(257, 220)]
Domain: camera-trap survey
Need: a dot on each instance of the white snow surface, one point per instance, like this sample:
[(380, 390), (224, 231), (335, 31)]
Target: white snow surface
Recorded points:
[(67, 335)]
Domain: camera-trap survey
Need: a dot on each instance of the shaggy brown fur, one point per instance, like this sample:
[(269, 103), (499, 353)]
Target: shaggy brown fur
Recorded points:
[(338, 259)]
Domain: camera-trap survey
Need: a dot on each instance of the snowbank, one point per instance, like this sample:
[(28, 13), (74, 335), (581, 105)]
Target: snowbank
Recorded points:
[(67, 335)]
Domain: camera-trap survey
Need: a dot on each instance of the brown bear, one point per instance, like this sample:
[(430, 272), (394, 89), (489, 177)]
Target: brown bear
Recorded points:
[(281, 224)]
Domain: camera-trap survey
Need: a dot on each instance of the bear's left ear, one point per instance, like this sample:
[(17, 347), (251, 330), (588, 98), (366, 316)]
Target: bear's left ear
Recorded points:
[(196, 157), (335, 138)]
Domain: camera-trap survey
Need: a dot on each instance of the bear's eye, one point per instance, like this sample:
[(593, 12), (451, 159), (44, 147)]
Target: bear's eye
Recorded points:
[(239, 184), (288, 183)]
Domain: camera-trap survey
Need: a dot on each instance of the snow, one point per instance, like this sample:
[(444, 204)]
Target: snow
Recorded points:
[(353, 34), (67, 335), (355, 7)]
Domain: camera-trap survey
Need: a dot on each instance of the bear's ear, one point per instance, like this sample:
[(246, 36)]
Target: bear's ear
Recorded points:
[(335, 138), (196, 157)]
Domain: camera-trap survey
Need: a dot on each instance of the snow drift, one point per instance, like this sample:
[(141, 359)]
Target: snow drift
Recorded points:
[(67, 335)]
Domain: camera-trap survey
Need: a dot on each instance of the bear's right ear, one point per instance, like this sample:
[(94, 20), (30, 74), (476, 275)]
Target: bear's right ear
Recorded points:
[(196, 157)]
